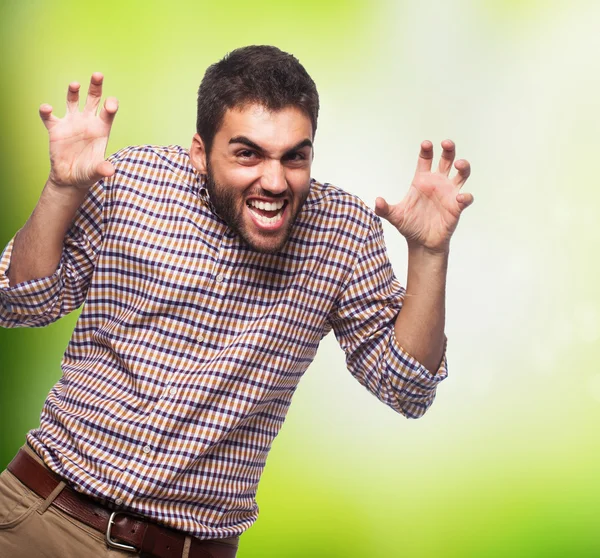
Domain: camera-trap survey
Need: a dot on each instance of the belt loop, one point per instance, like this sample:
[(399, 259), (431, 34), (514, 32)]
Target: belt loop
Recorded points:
[(186, 547), (48, 501)]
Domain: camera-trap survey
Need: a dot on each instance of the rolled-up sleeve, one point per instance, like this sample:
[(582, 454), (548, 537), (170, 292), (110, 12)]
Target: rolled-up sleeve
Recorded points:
[(39, 302), (363, 322), (30, 301)]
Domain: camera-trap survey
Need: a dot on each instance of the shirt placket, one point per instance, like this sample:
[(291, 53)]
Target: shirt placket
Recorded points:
[(148, 455)]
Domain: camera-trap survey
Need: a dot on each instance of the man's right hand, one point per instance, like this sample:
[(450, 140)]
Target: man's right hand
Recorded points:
[(78, 141), (77, 147)]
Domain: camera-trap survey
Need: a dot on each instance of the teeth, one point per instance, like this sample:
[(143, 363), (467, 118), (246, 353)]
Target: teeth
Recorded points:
[(264, 219), (266, 206)]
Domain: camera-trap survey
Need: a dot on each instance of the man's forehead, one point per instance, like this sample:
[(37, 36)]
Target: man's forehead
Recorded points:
[(287, 126)]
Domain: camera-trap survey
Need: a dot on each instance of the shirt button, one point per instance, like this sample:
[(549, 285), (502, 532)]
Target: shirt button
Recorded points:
[(119, 502), (200, 338), (173, 391), (146, 449), (220, 278)]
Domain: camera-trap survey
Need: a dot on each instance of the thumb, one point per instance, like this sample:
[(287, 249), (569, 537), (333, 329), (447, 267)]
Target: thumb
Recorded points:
[(382, 208), (104, 170)]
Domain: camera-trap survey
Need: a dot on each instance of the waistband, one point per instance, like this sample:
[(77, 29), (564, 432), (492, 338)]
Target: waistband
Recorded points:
[(122, 530)]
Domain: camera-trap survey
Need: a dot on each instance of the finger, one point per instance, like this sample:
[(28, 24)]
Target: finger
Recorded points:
[(73, 97), (108, 111), (464, 200), (104, 170), (425, 157), (447, 158), (94, 92), (47, 117), (101, 170), (382, 208), (464, 171)]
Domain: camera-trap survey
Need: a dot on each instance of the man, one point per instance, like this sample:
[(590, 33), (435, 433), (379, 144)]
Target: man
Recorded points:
[(209, 277)]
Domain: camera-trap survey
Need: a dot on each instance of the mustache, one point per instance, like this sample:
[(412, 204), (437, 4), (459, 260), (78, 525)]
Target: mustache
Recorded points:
[(212, 186), (260, 193)]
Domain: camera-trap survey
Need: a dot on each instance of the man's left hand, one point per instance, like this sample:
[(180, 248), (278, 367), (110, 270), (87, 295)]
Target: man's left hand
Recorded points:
[(429, 213)]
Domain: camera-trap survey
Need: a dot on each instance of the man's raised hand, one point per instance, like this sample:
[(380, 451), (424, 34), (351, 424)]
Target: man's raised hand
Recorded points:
[(429, 213), (78, 140)]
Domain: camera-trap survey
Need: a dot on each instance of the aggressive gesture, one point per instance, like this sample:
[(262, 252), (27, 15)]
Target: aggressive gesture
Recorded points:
[(77, 147), (78, 140), (429, 213)]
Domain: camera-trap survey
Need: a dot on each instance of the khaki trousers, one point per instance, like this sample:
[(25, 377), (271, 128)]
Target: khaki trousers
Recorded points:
[(31, 528)]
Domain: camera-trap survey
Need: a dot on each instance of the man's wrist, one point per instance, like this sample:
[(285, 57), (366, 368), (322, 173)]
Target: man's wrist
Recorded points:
[(64, 196), (418, 252)]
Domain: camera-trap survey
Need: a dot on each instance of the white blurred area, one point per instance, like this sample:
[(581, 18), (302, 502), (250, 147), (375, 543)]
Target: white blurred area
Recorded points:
[(519, 93)]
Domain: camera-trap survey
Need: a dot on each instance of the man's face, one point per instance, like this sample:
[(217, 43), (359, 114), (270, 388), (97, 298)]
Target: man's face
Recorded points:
[(258, 172)]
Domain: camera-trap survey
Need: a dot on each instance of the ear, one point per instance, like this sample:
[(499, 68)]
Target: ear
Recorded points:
[(198, 154)]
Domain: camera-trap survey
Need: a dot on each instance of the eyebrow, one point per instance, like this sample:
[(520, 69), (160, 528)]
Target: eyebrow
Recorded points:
[(249, 143)]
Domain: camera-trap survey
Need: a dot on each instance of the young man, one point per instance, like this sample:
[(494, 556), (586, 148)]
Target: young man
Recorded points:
[(209, 277)]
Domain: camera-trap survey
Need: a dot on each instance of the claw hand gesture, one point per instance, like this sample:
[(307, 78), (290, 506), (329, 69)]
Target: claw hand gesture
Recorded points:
[(429, 213), (78, 140)]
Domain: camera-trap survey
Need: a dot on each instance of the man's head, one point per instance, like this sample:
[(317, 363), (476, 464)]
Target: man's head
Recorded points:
[(254, 75), (257, 116)]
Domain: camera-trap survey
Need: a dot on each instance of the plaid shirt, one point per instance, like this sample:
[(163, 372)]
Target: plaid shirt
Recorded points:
[(190, 344)]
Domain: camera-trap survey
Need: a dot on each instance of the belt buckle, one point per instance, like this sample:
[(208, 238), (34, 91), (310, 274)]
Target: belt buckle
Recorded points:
[(112, 542)]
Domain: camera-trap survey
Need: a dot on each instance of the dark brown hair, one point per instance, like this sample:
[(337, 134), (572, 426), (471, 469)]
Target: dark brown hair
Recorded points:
[(261, 75)]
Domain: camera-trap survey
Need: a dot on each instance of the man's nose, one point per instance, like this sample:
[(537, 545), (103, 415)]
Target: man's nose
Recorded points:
[(273, 177)]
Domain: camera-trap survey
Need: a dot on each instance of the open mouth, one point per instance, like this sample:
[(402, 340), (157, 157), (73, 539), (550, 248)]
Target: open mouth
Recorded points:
[(268, 214)]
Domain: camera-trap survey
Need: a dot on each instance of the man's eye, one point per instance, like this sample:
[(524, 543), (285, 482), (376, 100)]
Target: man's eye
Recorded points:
[(246, 154), (295, 157)]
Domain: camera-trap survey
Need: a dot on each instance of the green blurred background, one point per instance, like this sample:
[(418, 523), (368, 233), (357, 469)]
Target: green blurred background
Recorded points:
[(506, 462)]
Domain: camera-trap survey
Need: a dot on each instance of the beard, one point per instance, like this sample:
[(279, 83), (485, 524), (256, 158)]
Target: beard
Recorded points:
[(229, 205)]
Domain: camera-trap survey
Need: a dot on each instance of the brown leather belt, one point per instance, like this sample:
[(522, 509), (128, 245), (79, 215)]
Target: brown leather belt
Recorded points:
[(122, 529)]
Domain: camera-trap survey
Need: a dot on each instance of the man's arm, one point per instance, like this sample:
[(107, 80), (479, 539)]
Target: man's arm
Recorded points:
[(427, 218), (77, 148), (419, 326), (38, 246), (363, 320), (46, 269)]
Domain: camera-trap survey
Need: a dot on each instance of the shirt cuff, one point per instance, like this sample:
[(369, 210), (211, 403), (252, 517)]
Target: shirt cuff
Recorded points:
[(30, 298), (414, 384)]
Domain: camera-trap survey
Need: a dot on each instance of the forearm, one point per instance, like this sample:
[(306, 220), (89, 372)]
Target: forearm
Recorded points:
[(38, 245), (419, 327)]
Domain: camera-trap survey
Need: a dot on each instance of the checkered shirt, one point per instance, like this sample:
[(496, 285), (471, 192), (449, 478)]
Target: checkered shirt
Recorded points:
[(190, 344)]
